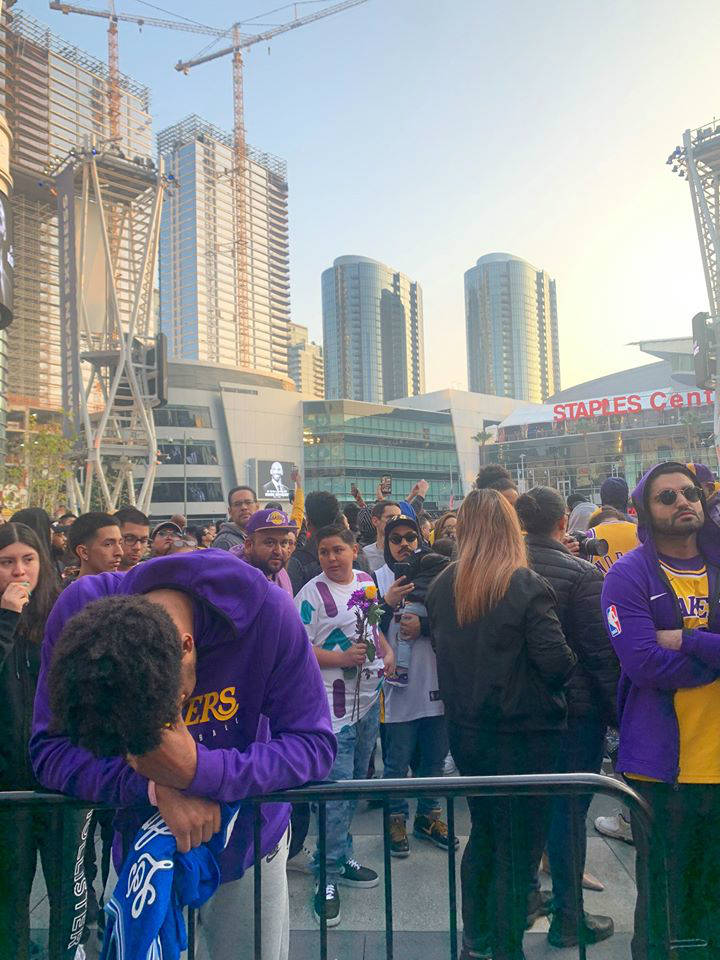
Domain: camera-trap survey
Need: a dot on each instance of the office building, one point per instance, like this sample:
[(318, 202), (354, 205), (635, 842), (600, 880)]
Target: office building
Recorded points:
[(201, 303), (306, 366), (512, 329), (372, 332), (57, 100), (617, 425), (348, 442)]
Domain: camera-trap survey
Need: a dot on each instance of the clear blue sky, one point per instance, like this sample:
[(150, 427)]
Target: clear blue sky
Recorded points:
[(426, 134)]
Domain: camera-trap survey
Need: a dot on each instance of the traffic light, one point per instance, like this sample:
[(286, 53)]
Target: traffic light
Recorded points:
[(704, 350)]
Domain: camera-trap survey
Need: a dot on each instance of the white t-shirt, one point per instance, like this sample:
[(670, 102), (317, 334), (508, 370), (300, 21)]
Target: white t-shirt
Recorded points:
[(374, 556), (421, 697), (323, 607)]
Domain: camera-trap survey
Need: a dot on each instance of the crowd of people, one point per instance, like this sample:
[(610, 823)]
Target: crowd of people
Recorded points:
[(177, 669)]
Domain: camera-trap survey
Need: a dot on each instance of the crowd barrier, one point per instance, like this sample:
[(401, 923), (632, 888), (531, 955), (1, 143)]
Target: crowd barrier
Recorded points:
[(450, 789)]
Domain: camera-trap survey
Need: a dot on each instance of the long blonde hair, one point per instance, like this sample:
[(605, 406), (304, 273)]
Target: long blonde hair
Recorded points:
[(491, 548)]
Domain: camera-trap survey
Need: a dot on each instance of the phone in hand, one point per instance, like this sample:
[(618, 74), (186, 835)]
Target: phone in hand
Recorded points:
[(386, 485), (404, 570), (354, 489)]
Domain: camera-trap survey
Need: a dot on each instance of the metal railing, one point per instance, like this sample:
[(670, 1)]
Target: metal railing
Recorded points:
[(450, 788)]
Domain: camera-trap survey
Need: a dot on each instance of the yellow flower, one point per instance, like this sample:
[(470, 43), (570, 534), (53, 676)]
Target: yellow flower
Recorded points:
[(371, 591)]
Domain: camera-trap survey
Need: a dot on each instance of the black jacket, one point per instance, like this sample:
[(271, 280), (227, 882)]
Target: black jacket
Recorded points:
[(508, 670), (592, 690), (304, 564), (19, 668)]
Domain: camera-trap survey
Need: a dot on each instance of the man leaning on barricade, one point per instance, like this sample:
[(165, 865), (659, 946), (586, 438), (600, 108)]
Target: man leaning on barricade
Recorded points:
[(173, 692)]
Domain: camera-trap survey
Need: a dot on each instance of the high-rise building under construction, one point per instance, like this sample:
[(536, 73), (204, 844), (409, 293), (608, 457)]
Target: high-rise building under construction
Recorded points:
[(57, 100), (200, 265)]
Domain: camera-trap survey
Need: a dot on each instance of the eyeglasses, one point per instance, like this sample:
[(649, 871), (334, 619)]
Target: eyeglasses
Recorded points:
[(242, 503), (668, 497), (130, 540), (398, 538)]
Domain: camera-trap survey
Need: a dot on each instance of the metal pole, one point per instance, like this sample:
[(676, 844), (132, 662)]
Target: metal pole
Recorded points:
[(185, 474), (716, 406)]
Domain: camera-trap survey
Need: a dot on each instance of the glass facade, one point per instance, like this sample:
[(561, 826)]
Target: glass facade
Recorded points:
[(372, 332), (512, 329), (579, 454), (348, 442), (199, 290)]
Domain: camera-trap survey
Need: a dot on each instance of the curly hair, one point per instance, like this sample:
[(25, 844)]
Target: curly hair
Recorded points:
[(494, 477), (115, 676)]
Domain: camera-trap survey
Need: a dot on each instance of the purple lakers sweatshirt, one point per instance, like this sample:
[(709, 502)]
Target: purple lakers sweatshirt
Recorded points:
[(258, 713)]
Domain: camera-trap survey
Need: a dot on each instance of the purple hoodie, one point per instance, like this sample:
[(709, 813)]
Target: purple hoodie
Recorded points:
[(637, 601), (258, 713)]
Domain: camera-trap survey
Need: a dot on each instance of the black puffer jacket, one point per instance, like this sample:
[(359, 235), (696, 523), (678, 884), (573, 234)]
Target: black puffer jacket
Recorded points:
[(506, 671), (592, 690)]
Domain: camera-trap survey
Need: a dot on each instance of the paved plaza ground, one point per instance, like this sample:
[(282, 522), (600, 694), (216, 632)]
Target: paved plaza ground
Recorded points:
[(421, 903)]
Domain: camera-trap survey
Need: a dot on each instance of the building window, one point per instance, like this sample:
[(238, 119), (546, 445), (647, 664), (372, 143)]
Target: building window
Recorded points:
[(182, 417)]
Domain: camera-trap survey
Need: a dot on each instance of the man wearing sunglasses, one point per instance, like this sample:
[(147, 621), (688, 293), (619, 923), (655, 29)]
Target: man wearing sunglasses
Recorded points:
[(660, 603)]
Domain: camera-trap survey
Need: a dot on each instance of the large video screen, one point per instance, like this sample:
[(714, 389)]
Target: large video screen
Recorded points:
[(6, 262), (273, 479)]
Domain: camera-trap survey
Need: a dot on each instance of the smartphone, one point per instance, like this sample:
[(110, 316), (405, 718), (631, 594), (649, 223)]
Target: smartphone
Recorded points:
[(353, 489), (404, 570), (386, 485)]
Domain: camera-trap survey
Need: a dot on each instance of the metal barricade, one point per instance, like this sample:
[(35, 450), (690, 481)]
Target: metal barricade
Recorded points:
[(450, 788)]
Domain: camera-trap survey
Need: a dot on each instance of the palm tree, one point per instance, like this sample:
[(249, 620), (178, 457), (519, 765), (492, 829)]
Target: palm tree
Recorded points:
[(481, 438)]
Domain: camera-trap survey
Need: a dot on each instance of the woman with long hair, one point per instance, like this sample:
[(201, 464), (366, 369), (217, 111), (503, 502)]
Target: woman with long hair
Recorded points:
[(28, 589), (39, 522), (502, 667)]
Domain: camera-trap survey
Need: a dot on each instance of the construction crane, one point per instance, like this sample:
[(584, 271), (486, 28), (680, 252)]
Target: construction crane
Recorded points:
[(113, 19), (241, 42)]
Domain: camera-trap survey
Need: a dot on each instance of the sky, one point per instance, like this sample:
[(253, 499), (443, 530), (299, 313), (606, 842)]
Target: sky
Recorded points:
[(425, 134)]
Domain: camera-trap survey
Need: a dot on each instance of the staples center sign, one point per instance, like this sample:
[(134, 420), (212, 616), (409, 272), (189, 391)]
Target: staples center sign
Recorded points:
[(632, 403)]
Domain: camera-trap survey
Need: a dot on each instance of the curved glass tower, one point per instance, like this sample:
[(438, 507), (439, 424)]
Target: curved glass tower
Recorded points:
[(372, 332), (512, 329)]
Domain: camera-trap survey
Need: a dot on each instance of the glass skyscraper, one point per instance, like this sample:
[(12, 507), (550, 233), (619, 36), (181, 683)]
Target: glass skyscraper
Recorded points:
[(512, 329), (372, 332), (200, 303)]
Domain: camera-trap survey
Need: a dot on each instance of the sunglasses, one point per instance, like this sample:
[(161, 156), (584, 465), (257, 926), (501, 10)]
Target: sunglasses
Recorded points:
[(668, 497), (398, 538)]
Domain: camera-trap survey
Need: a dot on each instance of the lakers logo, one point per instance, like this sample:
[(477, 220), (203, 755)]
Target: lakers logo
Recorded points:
[(221, 705), (276, 518)]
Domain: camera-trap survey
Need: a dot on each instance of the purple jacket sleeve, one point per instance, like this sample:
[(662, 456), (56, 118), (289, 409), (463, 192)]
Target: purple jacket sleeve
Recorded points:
[(642, 659), (58, 764), (703, 645), (301, 747)]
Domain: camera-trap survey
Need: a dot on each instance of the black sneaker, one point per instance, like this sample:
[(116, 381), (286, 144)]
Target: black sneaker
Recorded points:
[(597, 928), (353, 875), (433, 829), (330, 903)]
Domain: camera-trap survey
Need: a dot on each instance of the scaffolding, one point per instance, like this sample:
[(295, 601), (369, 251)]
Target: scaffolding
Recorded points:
[(109, 352), (698, 161)]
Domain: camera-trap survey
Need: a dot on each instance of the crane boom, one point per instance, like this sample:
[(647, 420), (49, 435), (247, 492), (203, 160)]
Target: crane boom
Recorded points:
[(248, 41), (141, 21)]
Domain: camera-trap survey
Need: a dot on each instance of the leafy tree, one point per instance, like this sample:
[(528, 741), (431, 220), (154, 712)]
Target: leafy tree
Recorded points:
[(481, 438), (42, 466)]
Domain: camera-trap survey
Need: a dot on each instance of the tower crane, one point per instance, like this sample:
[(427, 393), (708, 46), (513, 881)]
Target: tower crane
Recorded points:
[(241, 42), (113, 19)]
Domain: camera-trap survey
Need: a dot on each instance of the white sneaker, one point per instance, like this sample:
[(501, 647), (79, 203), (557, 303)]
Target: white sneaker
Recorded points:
[(301, 862), (615, 826), (449, 767)]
